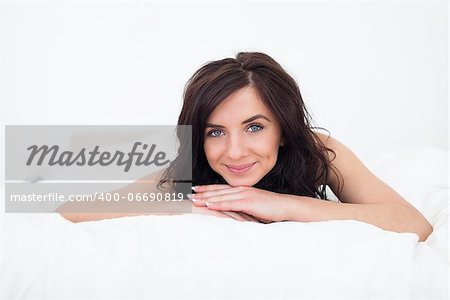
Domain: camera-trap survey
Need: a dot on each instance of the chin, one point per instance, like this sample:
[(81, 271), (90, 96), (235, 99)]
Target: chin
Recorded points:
[(240, 181)]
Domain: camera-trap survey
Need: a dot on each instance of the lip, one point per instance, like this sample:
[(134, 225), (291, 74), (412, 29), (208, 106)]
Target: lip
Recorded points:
[(238, 169)]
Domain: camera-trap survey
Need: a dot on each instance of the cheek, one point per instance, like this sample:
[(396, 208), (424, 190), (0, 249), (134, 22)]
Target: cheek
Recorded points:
[(212, 151), (266, 149)]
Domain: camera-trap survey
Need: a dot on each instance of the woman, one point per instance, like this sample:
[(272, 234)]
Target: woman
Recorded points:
[(255, 156)]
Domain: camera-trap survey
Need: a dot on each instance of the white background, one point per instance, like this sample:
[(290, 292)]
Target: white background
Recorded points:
[(374, 73)]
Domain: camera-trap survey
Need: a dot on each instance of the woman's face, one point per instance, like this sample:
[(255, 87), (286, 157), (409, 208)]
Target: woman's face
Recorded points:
[(242, 138)]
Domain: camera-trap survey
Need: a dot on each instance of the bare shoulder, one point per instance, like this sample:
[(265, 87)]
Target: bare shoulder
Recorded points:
[(346, 169), (335, 149), (359, 184), (326, 140)]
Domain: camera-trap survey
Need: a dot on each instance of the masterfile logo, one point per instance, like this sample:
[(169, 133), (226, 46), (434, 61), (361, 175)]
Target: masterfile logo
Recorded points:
[(91, 152), (85, 169), (84, 157)]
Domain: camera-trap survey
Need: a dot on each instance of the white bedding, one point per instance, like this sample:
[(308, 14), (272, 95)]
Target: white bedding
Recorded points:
[(204, 257)]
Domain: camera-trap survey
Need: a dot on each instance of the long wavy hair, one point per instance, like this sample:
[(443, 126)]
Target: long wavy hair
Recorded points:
[(302, 167)]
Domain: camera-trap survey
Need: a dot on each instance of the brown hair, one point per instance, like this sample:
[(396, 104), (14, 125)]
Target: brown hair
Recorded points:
[(303, 165)]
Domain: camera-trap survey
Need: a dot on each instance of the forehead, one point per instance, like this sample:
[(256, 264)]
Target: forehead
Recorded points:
[(239, 106)]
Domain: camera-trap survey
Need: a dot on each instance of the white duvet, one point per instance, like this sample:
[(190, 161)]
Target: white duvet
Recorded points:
[(192, 256)]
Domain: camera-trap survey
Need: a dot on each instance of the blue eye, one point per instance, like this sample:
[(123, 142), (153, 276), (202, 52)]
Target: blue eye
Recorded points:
[(214, 133), (255, 127), (218, 132)]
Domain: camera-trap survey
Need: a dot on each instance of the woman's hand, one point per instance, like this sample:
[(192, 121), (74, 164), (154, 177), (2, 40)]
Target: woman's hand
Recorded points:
[(263, 205), (223, 214)]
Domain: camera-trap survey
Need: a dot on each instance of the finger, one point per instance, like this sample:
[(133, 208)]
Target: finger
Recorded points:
[(265, 221), (205, 195), (250, 218), (247, 217), (242, 216), (235, 215), (232, 205), (216, 213), (220, 198), (198, 203), (210, 187)]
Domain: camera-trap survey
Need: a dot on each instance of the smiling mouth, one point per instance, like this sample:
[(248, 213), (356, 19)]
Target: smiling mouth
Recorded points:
[(238, 169)]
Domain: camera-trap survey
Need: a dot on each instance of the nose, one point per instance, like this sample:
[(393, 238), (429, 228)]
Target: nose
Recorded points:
[(236, 147)]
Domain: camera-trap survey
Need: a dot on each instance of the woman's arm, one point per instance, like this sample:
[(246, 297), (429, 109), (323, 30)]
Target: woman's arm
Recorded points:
[(97, 211), (268, 206), (364, 198), (392, 217), (84, 217)]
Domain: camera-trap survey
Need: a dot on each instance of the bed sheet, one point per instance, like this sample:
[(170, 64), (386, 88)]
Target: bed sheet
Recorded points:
[(192, 256)]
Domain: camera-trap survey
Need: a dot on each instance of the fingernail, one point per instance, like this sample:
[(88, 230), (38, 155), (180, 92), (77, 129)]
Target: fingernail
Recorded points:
[(207, 203), (191, 197), (194, 187)]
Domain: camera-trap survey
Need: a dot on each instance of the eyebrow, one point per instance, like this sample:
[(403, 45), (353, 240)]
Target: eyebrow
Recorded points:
[(258, 116)]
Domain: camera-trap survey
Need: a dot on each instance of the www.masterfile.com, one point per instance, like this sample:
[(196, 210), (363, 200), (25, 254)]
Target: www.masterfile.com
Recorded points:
[(103, 197)]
